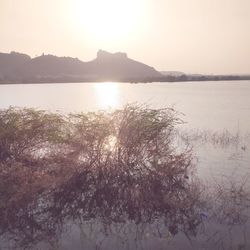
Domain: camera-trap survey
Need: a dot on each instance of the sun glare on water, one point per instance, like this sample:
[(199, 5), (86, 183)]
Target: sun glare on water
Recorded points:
[(107, 95), (107, 21)]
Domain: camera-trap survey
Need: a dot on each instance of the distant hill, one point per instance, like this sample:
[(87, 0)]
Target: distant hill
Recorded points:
[(16, 67), (172, 73), (20, 68), (9, 64)]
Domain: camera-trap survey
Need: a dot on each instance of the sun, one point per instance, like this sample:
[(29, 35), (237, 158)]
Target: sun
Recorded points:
[(107, 21)]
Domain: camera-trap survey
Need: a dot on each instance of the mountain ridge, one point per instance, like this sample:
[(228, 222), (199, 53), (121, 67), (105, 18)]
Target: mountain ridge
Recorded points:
[(21, 68), (106, 66)]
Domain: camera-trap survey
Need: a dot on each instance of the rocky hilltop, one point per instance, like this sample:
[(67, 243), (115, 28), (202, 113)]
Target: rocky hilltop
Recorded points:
[(17, 67), (20, 68)]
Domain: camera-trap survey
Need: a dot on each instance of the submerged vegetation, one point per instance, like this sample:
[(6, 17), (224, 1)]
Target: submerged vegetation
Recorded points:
[(113, 168), (221, 139)]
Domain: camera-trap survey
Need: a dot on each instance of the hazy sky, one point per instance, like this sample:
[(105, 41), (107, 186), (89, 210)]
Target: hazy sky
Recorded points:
[(196, 36)]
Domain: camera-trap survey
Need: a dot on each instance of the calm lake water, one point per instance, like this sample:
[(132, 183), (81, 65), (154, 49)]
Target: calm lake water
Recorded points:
[(211, 108), (206, 105), (214, 106)]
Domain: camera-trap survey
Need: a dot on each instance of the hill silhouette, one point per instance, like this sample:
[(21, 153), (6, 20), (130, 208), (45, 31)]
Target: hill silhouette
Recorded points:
[(17, 67), (20, 68)]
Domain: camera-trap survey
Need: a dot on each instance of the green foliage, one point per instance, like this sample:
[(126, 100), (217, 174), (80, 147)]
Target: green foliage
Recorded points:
[(120, 166), (23, 131)]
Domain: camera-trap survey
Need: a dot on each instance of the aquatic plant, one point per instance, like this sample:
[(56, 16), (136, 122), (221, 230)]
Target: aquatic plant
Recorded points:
[(114, 167)]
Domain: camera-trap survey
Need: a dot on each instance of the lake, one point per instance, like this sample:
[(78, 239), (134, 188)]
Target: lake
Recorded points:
[(206, 105), (217, 116), (213, 106)]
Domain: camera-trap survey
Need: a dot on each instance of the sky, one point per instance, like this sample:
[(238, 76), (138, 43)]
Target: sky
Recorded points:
[(192, 36)]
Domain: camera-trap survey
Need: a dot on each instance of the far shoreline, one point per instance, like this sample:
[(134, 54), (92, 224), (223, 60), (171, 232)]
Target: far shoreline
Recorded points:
[(116, 81)]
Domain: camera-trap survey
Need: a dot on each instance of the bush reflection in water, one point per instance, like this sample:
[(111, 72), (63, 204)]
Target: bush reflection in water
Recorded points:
[(110, 167)]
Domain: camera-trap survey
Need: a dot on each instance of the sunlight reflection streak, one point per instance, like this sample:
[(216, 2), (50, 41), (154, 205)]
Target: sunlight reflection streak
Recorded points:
[(107, 95)]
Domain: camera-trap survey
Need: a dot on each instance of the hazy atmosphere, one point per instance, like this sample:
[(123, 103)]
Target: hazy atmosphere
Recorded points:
[(194, 36), (124, 124)]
